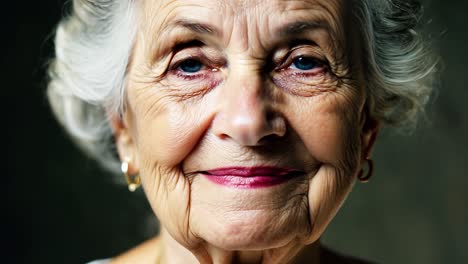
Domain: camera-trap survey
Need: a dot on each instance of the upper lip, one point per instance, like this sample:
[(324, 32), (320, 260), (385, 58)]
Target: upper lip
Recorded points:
[(253, 171)]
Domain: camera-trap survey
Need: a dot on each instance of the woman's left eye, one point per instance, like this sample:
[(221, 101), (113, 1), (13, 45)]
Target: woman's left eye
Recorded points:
[(190, 66), (305, 63)]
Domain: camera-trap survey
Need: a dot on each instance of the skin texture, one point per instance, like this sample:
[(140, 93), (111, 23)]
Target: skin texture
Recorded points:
[(248, 105)]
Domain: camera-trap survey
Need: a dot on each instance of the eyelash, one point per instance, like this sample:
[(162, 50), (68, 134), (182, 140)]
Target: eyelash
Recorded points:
[(290, 60), (284, 66)]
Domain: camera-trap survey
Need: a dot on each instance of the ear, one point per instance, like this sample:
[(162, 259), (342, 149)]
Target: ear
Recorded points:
[(125, 145), (370, 128)]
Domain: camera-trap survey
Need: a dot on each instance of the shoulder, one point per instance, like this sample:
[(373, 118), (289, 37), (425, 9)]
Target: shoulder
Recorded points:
[(331, 257)]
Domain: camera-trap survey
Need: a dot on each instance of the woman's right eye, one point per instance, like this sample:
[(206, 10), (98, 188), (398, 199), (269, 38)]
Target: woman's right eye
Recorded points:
[(190, 66)]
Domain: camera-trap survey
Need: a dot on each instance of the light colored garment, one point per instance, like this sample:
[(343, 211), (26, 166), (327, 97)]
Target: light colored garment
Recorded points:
[(99, 261)]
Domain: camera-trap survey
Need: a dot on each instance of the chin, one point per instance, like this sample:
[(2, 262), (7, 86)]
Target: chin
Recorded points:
[(257, 231), (252, 226)]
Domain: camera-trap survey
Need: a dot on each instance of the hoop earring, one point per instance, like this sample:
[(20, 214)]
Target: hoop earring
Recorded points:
[(133, 181), (365, 179)]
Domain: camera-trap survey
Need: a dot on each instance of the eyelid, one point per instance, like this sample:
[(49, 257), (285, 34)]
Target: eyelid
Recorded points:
[(208, 57), (296, 52), (181, 54), (187, 44)]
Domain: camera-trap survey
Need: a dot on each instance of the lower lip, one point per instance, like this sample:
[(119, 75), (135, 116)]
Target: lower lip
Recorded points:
[(249, 182)]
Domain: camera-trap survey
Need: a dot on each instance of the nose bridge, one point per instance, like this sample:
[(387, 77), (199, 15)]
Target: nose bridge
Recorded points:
[(246, 104), (245, 110)]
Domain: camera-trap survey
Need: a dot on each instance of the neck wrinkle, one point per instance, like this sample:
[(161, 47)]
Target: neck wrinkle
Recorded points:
[(174, 253), (295, 253)]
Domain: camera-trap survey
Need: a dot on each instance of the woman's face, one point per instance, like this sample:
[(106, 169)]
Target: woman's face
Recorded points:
[(245, 119)]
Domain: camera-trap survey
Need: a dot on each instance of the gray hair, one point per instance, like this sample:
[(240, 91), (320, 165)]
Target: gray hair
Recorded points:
[(93, 46)]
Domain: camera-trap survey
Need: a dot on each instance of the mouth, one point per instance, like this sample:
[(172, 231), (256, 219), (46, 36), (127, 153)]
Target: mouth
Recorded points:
[(251, 177)]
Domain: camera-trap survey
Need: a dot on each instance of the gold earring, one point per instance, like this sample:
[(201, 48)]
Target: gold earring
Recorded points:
[(133, 181), (365, 179)]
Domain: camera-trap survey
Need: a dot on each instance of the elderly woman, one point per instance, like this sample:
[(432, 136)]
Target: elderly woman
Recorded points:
[(246, 122)]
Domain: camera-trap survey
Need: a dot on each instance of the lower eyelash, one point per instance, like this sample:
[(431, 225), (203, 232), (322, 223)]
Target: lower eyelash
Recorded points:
[(189, 77), (320, 72), (298, 73)]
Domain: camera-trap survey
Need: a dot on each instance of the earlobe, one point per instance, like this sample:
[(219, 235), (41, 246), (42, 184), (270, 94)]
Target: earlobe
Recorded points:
[(124, 142)]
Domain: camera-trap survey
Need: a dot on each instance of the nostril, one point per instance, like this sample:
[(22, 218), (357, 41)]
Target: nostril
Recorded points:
[(223, 136), (269, 139), (250, 131), (249, 124)]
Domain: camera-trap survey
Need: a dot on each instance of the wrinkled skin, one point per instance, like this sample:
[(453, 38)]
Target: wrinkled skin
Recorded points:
[(244, 102)]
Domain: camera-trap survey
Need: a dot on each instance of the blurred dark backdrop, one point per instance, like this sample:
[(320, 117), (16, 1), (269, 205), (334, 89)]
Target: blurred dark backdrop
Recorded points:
[(61, 208)]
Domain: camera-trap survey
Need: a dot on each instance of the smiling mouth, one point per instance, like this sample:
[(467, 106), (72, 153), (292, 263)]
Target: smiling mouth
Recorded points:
[(251, 177)]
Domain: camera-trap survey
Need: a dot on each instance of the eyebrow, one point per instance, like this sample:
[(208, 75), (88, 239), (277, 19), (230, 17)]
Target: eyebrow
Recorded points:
[(196, 27), (298, 27), (292, 28), (287, 30)]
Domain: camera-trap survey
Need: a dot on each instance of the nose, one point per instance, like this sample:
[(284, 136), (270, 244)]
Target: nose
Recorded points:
[(246, 115)]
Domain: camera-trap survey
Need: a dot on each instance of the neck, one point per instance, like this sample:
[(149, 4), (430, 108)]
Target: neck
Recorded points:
[(173, 252)]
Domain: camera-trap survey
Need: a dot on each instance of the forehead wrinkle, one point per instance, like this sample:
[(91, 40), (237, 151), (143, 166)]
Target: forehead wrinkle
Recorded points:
[(240, 5), (160, 18), (335, 17), (300, 26), (329, 16), (338, 21), (308, 16), (251, 18), (247, 20), (318, 14)]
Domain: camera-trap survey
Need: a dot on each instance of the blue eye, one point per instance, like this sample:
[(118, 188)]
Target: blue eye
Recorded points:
[(305, 63), (191, 66)]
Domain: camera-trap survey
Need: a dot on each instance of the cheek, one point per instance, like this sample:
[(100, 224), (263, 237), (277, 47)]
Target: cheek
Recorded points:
[(327, 130), (165, 131), (168, 135), (328, 126)]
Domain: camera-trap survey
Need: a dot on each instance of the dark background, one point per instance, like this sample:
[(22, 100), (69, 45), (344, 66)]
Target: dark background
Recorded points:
[(61, 208)]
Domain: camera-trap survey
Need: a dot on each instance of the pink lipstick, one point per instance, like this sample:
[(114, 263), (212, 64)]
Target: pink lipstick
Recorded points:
[(251, 177)]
